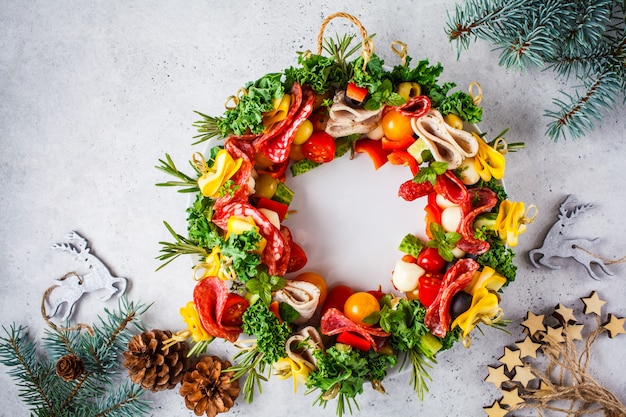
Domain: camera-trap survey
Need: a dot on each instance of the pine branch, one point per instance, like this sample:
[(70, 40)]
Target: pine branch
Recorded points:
[(18, 351), (578, 115), (125, 401)]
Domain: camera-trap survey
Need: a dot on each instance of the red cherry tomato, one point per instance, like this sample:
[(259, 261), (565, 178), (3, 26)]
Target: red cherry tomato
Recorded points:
[(377, 293), (430, 260), (360, 305), (429, 286), (396, 126), (297, 258), (234, 308), (337, 297), (320, 147)]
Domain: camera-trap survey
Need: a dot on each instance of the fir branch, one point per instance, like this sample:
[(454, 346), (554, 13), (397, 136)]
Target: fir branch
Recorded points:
[(579, 114), (18, 351), (125, 401)]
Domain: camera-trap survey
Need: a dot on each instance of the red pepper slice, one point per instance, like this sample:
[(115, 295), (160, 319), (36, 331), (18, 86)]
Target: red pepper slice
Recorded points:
[(373, 149), (280, 208), (404, 158), (354, 340), (274, 308), (401, 145), (356, 93), (433, 212)]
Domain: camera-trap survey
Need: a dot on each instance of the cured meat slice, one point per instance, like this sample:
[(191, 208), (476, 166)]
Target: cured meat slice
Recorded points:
[(334, 322), (278, 128), (345, 120), (437, 317), (415, 107), (209, 296), (451, 187), (277, 148), (480, 200), (276, 248)]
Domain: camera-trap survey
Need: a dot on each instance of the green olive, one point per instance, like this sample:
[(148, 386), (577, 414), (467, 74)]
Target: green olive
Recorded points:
[(265, 186), (408, 90), (453, 120)]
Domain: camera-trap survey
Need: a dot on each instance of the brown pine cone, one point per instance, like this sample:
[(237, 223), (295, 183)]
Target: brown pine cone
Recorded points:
[(152, 366), (70, 367), (207, 389)]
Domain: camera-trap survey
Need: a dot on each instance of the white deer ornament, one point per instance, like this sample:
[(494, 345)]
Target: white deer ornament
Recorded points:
[(72, 286), (559, 244)]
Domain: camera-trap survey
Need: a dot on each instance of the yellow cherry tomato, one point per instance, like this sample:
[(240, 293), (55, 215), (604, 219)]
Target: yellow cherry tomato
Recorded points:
[(360, 305), (318, 281)]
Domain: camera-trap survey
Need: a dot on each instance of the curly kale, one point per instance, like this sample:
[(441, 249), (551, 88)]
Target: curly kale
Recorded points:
[(202, 232), (500, 258), (271, 335), (319, 72), (424, 74)]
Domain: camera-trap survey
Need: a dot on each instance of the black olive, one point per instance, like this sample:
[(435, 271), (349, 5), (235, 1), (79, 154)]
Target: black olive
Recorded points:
[(354, 103), (460, 303)]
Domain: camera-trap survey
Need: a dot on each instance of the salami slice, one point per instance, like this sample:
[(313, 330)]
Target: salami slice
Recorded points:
[(278, 128), (415, 107), (335, 322), (210, 296), (480, 200), (437, 317), (276, 248), (277, 148), (451, 187)]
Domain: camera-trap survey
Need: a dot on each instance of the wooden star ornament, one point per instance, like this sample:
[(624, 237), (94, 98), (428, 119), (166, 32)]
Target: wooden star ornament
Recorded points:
[(593, 304), (534, 323), (496, 376), (528, 348), (495, 410), (564, 314), (511, 358), (615, 325), (511, 398), (523, 375)]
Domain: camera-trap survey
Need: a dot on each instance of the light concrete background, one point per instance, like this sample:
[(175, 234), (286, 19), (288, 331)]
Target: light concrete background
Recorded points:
[(93, 93)]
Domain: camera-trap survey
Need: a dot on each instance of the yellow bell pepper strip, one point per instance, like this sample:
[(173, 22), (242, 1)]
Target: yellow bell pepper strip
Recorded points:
[(488, 162), (512, 220), (484, 309), (487, 278), (212, 179), (210, 267), (192, 319), (278, 113), (287, 367)]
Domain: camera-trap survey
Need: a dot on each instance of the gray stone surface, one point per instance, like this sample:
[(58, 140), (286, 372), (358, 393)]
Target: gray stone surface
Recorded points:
[(93, 93)]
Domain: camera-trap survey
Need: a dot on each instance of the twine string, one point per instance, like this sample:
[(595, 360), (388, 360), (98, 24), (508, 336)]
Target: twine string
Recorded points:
[(399, 48), (59, 329)]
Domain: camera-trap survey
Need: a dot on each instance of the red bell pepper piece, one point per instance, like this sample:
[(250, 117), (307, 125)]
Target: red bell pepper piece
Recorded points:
[(373, 149), (401, 145), (354, 340), (356, 93), (280, 208), (404, 158), (274, 308), (433, 212)]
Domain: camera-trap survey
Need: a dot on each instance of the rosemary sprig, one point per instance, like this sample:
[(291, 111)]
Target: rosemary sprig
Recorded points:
[(419, 371), (340, 50), (252, 364), (185, 180), (181, 246), (207, 128)]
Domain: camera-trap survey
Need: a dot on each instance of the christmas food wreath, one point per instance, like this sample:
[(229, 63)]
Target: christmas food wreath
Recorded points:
[(250, 270)]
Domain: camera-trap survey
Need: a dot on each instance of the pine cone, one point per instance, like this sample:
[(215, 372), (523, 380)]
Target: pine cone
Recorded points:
[(207, 389), (70, 367), (153, 367)]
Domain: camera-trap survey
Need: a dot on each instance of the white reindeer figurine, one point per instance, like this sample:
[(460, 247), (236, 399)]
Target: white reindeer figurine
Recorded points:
[(72, 286), (557, 244)]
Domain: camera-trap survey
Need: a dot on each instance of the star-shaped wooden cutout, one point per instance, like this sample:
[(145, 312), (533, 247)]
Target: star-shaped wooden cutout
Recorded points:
[(511, 398), (511, 358), (496, 376), (615, 325), (495, 410), (528, 348), (553, 335), (564, 314), (523, 375), (574, 331), (533, 323), (593, 304)]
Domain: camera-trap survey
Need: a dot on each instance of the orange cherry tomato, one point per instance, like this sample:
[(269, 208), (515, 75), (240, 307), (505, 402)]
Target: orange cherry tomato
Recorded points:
[(318, 281), (396, 126), (360, 305)]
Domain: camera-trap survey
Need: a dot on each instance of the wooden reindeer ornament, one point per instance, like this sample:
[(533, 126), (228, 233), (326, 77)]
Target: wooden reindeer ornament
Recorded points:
[(559, 244), (72, 286)]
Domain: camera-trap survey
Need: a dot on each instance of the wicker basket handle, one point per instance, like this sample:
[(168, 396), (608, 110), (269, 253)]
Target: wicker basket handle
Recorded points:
[(367, 43)]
